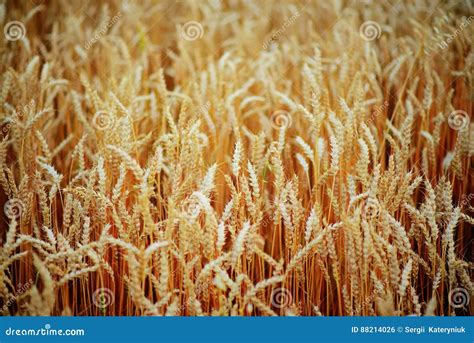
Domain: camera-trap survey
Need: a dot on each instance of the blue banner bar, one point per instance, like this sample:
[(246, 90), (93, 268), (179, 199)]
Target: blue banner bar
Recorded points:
[(237, 329)]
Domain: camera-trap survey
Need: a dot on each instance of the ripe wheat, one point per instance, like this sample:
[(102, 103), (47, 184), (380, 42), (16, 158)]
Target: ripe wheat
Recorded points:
[(327, 174)]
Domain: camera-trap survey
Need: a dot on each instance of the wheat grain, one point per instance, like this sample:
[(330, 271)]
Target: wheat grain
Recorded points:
[(192, 183)]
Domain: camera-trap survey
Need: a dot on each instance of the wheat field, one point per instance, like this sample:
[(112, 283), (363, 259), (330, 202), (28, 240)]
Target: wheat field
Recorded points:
[(236, 158)]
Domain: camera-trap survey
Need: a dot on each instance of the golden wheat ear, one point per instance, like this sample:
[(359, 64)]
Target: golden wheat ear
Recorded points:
[(252, 158)]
